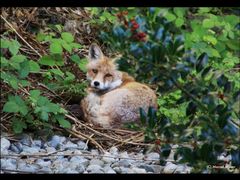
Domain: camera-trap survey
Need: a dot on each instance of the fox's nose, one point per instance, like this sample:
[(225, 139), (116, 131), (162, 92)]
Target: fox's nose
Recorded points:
[(96, 83)]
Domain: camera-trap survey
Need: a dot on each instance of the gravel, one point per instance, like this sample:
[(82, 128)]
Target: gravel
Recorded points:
[(75, 157)]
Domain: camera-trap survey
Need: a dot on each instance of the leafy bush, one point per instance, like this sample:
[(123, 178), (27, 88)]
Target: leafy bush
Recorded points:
[(192, 54), (32, 109)]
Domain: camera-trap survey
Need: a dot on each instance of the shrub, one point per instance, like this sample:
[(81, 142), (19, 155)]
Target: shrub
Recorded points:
[(29, 103), (192, 55)]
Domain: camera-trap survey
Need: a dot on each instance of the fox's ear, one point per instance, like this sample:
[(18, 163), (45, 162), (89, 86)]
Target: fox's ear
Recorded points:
[(95, 53)]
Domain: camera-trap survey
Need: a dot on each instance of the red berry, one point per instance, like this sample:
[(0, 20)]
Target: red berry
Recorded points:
[(135, 26), (158, 142), (133, 21)]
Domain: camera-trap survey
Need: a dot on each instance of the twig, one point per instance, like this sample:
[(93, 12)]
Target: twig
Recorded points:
[(44, 86), (21, 36), (85, 136)]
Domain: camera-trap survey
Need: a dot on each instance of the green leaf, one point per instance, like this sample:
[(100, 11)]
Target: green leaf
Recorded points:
[(204, 10), (34, 95), (179, 22), (235, 154), (75, 58), (68, 37), (215, 53), (208, 23), (42, 101), (191, 109), (57, 72), (14, 83), (67, 47), (25, 69), (18, 126), (34, 67), (56, 48), (179, 12), (23, 109), (4, 62), (165, 150), (82, 65), (10, 107), (143, 116), (170, 17), (210, 39), (201, 62), (14, 47), (4, 43), (24, 83), (54, 108), (59, 27), (76, 45), (44, 116), (41, 37), (47, 60), (70, 76), (222, 80), (18, 58), (64, 123)]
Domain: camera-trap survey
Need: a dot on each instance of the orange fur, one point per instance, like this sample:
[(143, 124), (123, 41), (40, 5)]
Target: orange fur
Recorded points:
[(118, 97)]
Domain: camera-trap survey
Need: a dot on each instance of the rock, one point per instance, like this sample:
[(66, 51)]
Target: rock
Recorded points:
[(169, 168), (97, 171), (43, 163), (113, 150), (27, 168), (123, 170), (38, 143), (30, 150), (9, 164), (182, 169), (94, 169), (69, 171), (153, 157), (139, 156), (16, 147), (96, 162), (80, 160), (152, 168), (5, 144), (122, 162), (70, 146), (50, 149), (79, 152), (56, 141), (26, 140), (108, 157), (77, 166), (109, 171), (117, 169), (94, 152), (138, 170), (82, 145), (124, 155), (45, 169)]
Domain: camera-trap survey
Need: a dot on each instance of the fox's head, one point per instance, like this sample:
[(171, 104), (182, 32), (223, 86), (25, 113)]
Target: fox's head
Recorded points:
[(102, 71)]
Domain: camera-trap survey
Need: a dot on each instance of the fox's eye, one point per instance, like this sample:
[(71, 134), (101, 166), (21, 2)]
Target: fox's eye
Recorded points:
[(95, 71), (108, 75)]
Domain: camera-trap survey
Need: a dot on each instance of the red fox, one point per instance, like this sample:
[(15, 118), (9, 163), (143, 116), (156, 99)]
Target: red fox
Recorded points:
[(113, 97)]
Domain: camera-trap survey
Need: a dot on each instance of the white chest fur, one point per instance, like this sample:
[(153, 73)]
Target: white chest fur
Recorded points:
[(93, 103)]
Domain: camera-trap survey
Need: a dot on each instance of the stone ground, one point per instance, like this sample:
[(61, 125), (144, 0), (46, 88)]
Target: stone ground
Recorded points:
[(62, 155)]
